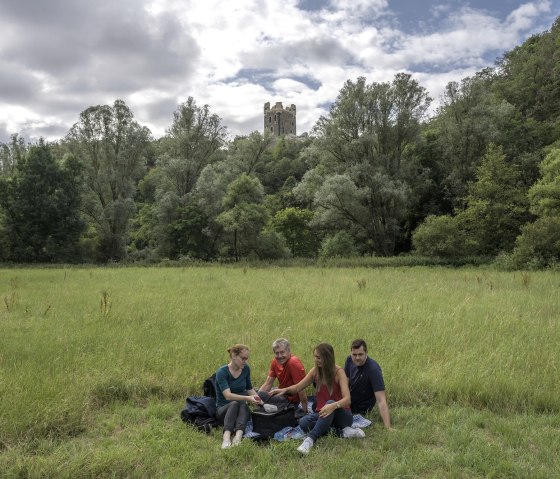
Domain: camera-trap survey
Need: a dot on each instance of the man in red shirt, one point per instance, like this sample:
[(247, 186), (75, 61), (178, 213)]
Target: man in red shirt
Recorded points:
[(289, 370)]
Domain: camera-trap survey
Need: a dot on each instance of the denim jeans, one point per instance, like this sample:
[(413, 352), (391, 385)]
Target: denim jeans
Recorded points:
[(233, 415), (319, 426)]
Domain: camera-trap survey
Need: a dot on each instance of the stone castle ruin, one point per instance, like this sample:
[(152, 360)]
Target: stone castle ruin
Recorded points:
[(279, 120)]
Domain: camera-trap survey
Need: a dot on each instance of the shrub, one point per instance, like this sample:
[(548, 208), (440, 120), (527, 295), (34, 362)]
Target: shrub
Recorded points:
[(441, 236), (538, 245), (340, 245), (271, 245)]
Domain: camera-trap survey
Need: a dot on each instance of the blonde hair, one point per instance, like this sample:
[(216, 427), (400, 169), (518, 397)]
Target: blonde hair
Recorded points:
[(236, 349)]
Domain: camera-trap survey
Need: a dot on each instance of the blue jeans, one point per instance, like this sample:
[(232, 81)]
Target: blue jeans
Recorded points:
[(319, 426)]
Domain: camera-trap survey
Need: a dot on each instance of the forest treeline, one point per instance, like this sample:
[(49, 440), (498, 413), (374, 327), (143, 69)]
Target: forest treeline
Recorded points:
[(376, 176)]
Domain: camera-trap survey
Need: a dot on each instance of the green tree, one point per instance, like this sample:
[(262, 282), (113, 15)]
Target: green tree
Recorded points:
[(529, 76), (112, 146), (341, 244), (362, 181), (539, 242), (11, 154), (245, 156), (285, 162), (244, 214), (373, 123), (294, 225), (41, 203), (544, 195), (271, 245), (470, 118), (193, 142), (441, 236), (497, 205), (496, 208), (372, 213), (251, 153), (190, 143)]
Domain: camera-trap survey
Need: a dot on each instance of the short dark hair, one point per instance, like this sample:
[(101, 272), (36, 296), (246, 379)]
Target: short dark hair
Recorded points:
[(358, 343)]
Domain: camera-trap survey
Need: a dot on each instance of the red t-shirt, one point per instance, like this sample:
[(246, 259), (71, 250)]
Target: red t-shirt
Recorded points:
[(288, 374)]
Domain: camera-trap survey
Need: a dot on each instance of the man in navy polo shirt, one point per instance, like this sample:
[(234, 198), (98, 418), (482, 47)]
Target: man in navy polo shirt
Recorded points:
[(366, 382)]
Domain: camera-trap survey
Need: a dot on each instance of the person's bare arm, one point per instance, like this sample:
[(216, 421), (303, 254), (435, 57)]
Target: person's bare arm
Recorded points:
[(383, 407), (267, 385), (303, 399), (306, 381), (253, 398)]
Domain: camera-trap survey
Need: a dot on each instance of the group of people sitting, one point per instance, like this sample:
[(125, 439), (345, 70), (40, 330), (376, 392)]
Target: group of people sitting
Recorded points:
[(339, 392)]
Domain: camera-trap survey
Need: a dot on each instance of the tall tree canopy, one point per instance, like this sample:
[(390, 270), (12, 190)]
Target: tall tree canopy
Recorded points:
[(194, 141), (362, 180), (112, 147)]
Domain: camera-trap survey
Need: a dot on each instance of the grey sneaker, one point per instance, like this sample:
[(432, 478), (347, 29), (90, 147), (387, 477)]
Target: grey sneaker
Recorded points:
[(306, 445), (349, 432), (226, 444)]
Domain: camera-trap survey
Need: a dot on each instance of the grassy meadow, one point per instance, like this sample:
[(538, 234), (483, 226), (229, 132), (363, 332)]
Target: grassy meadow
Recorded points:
[(95, 364)]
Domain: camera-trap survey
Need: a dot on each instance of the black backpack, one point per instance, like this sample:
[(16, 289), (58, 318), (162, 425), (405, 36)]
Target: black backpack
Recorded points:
[(200, 411), (209, 386)]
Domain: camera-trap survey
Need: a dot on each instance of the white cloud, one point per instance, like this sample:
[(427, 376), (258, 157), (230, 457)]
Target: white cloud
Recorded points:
[(234, 56), (523, 17)]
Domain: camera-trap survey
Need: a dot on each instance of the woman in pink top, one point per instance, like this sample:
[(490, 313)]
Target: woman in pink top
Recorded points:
[(332, 399)]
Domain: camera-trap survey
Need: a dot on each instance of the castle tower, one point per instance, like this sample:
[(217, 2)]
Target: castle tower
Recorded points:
[(279, 120)]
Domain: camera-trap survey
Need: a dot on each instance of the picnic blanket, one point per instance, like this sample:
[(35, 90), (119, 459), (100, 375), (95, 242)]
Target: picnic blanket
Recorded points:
[(296, 432)]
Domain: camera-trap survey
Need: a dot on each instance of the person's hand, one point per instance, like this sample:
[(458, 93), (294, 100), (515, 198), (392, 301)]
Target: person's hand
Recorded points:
[(278, 392), (327, 409), (255, 400)]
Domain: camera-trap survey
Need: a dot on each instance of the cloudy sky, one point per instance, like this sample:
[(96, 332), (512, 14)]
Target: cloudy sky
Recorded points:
[(58, 57)]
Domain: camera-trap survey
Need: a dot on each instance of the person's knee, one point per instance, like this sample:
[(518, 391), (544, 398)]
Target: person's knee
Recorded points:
[(307, 422)]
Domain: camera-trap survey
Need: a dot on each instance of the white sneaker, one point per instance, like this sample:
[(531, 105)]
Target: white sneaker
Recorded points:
[(355, 432), (236, 441), (226, 444), (306, 445)]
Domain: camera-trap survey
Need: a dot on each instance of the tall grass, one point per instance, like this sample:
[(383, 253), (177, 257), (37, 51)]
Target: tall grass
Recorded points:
[(95, 363)]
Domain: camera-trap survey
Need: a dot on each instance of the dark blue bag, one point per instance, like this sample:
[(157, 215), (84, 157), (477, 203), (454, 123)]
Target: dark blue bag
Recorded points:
[(201, 412), (209, 386)]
